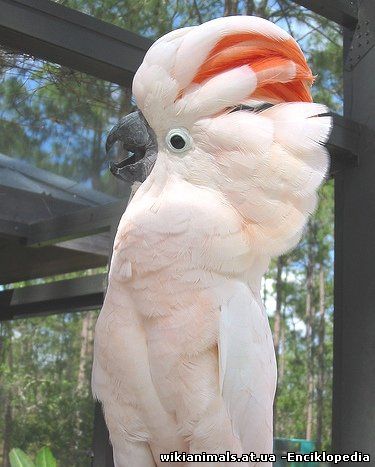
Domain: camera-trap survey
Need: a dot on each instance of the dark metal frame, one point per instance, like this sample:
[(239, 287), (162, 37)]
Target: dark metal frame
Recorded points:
[(76, 224), (80, 294), (53, 32), (343, 12), (353, 427)]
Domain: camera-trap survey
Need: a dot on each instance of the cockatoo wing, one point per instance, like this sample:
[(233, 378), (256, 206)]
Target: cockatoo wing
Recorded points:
[(247, 370)]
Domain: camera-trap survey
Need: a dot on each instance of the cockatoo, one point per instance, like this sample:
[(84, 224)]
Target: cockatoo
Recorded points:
[(231, 149)]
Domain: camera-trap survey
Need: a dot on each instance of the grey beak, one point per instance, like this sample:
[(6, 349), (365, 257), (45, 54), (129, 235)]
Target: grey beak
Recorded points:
[(137, 148)]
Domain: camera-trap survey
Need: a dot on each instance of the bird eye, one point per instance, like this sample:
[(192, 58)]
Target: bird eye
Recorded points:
[(178, 140)]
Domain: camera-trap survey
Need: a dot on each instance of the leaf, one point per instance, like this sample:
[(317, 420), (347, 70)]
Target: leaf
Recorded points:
[(20, 459), (45, 458)]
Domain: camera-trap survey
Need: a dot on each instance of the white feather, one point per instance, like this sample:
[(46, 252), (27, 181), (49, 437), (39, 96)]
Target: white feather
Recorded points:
[(248, 370), (218, 93)]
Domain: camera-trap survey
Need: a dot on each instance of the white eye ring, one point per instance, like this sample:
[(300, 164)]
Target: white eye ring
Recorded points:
[(178, 140)]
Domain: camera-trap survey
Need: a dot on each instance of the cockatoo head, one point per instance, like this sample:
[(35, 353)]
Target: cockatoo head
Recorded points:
[(226, 105)]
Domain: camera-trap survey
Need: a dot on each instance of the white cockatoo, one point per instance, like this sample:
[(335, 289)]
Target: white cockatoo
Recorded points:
[(231, 147)]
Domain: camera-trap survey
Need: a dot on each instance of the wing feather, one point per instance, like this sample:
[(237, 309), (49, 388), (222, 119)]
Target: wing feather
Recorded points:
[(248, 370)]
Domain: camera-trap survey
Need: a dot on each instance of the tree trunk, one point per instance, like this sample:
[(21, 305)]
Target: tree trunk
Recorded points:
[(86, 349), (309, 333), (277, 321), (310, 397), (125, 106), (8, 418), (250, 6), (281, 362), (84, 359), (83, 356), (7, 432), (262, 9), (90, 336), (277, 325), (97, 157), (230, 7), (321, 352), (265, 293)]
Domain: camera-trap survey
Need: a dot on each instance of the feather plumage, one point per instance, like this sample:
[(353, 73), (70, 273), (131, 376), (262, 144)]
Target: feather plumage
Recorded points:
[(183, 351)]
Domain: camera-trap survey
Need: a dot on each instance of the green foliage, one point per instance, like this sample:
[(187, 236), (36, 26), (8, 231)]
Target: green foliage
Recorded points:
[(49, 403), (44, 458), (20, 459), (296, 349)]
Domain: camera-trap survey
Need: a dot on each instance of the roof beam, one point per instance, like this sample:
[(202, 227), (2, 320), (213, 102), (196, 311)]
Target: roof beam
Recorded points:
[(97, 244), (343, 12), (62, 35), (79, 294), (13, 229), (76, 224), (20, 263)]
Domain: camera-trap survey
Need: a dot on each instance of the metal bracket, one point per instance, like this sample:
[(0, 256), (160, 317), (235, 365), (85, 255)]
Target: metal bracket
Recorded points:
[(363, 36), (343, 12), (343, 144)]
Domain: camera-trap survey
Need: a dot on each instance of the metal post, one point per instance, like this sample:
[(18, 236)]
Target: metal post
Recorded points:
[(354, 319), (102, 449)]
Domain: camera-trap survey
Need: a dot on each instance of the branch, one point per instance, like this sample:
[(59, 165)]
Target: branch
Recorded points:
[(281, 6), (196, 8)]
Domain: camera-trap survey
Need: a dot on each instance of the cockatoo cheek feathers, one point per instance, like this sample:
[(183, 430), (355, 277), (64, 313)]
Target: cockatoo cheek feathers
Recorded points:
[(268, 165)]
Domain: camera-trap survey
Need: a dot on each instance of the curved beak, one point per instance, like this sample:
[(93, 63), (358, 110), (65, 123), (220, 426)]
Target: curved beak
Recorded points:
[(131, 148)]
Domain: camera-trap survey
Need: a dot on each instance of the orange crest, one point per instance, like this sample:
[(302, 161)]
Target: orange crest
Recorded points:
[(283, 74)]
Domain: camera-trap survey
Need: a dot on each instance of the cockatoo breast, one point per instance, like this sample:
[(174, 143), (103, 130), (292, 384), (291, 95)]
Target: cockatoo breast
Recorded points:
[(180, 250)]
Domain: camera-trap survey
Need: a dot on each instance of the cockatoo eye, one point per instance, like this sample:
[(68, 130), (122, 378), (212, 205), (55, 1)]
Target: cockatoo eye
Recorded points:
[(178, 140)]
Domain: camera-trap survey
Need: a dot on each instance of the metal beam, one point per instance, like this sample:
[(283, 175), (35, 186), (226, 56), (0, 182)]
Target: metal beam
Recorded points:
[(353, 427), (86, 221), (102, 449), (13, 229), (343, 144), (83, 293), (62, 35), (343, 12), (19, 263), (98, 244), (18, 206), (363, 39)]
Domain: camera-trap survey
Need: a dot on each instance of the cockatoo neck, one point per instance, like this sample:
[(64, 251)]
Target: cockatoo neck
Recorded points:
[(210, 224)]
